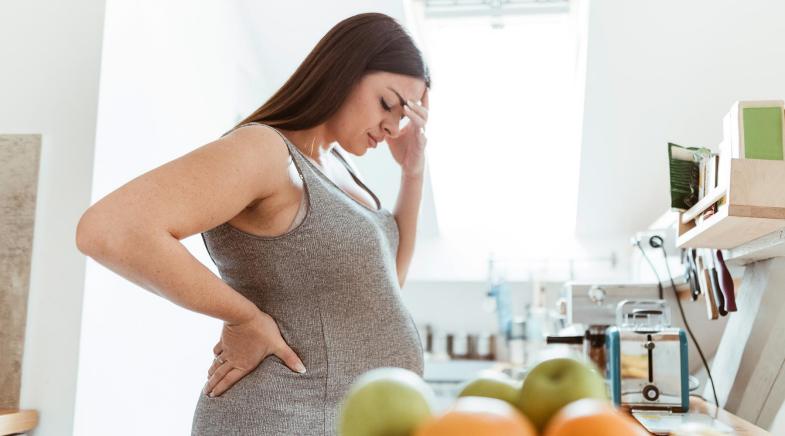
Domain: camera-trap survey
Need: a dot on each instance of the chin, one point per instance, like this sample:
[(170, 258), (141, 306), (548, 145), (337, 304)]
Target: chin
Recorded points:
[(354, 149), (358, 149), (356, 153)]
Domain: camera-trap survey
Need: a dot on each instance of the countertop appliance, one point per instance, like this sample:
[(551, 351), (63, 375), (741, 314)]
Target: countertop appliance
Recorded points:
[(647, 358)]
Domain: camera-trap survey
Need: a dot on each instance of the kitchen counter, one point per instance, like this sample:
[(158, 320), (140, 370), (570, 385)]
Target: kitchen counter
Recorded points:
[(446, 377), (741, 426)]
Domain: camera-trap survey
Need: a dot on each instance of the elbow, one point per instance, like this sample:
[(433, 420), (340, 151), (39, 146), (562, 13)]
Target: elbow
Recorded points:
[(106, 235), (86, 234), (91, 234)]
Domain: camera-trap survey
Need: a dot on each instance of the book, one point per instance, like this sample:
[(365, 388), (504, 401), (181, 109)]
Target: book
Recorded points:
[(710, 182), (755, 129), (701, 179), (684, 172)]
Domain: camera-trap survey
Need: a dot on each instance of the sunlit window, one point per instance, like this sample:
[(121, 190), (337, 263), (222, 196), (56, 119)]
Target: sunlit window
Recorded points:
[(503, 133)]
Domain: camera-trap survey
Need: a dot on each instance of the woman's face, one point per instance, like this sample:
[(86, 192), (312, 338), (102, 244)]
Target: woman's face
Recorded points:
[(373, 111)]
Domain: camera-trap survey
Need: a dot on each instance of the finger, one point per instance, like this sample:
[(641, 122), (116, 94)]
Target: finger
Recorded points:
[(217, 360), (217, 348), (414, 117), (290, 358), (418, 109), (217, 376), (228, 381), (213, 367)]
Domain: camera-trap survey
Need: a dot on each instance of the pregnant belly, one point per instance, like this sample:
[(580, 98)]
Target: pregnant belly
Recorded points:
[(273, 399), (351, 332)]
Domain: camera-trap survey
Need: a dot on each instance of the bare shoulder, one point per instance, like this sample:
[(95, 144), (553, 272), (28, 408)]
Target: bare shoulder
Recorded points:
[(257, 140), (199, 190), (263, 149)]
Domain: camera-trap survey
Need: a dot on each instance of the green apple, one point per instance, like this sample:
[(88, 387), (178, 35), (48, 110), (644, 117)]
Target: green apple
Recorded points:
[(489, 386), (386, 402), (554, 383)]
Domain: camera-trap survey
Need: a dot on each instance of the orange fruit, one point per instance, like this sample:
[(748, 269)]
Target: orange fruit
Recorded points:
[(592, 417), (478, 416)]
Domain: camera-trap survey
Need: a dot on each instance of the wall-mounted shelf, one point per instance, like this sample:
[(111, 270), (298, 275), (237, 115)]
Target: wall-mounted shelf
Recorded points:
[(765, 247), (15, 421), (754, 206)]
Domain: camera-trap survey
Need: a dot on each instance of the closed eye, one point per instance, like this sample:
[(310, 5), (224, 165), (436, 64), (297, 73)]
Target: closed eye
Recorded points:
[(387, 107)]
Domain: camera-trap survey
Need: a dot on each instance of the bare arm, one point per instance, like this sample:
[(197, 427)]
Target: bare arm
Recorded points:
[(408, 149), (136, 230), (407, 208)]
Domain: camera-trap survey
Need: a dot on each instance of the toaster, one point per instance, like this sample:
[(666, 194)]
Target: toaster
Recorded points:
[(647, 363)]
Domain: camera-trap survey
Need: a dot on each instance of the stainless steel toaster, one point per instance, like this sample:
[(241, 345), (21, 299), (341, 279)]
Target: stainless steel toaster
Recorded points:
[(647, 363)]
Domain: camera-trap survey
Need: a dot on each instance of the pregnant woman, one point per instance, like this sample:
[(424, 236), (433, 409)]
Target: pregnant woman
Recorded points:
[(310, 262)]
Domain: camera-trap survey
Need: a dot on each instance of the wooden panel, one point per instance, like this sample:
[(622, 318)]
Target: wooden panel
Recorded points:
[(766, 247), (747, 368), (19, 156), (755, 207), (726, 231), (13, 421), (757, 183)]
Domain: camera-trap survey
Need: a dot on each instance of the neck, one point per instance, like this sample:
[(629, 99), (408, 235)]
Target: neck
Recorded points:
[(314, 142)]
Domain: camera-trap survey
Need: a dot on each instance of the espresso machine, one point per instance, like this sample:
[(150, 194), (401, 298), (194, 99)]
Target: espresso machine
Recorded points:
[(589, 309)]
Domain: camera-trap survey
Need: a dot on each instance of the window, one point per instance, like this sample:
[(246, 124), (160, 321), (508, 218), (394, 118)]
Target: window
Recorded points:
[(504, 128)]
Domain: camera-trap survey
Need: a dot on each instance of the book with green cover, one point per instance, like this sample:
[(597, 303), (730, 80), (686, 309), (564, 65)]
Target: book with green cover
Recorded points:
[(684, 172), (763, 133)]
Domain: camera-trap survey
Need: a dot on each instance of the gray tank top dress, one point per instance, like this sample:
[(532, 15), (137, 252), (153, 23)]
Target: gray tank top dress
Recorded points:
[(331, 285)]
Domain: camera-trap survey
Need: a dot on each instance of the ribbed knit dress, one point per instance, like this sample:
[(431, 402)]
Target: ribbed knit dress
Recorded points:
[(331, 285)]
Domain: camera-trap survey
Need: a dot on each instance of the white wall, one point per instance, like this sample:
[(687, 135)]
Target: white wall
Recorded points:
[(174, 77), (51, 53), (459, 305), (660, 71)]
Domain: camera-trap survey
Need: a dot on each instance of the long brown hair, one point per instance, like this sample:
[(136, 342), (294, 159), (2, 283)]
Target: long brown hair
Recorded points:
[(357, 45)]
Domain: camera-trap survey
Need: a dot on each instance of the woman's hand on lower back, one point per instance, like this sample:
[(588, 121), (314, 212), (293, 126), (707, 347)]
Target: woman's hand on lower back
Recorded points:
[(242, 348)]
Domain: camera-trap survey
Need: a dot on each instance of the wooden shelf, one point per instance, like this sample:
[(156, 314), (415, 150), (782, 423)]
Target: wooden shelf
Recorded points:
[(765, 247), (13, 421), (754, 206)]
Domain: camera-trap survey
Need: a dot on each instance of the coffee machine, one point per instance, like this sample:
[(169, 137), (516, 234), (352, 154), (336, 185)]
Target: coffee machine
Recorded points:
[(589, 309)]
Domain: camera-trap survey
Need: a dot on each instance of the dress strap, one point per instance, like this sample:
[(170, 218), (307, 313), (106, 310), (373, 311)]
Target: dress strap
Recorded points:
[(356, 179), (288, 144)]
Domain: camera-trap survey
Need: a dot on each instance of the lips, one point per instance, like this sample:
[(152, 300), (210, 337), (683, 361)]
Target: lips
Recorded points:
[(373, 142)]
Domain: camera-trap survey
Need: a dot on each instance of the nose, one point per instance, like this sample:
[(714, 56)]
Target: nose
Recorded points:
[(391, 128)]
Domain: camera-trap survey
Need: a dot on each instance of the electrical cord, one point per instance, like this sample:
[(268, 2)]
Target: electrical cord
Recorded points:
[(659, 282), (687, 325)]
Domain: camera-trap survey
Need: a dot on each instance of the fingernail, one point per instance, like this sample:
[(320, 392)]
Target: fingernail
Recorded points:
[(299, 368), (212, 394)]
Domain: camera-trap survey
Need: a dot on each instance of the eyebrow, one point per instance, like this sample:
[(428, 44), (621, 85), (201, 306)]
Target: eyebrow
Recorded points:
[(400, 99)]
